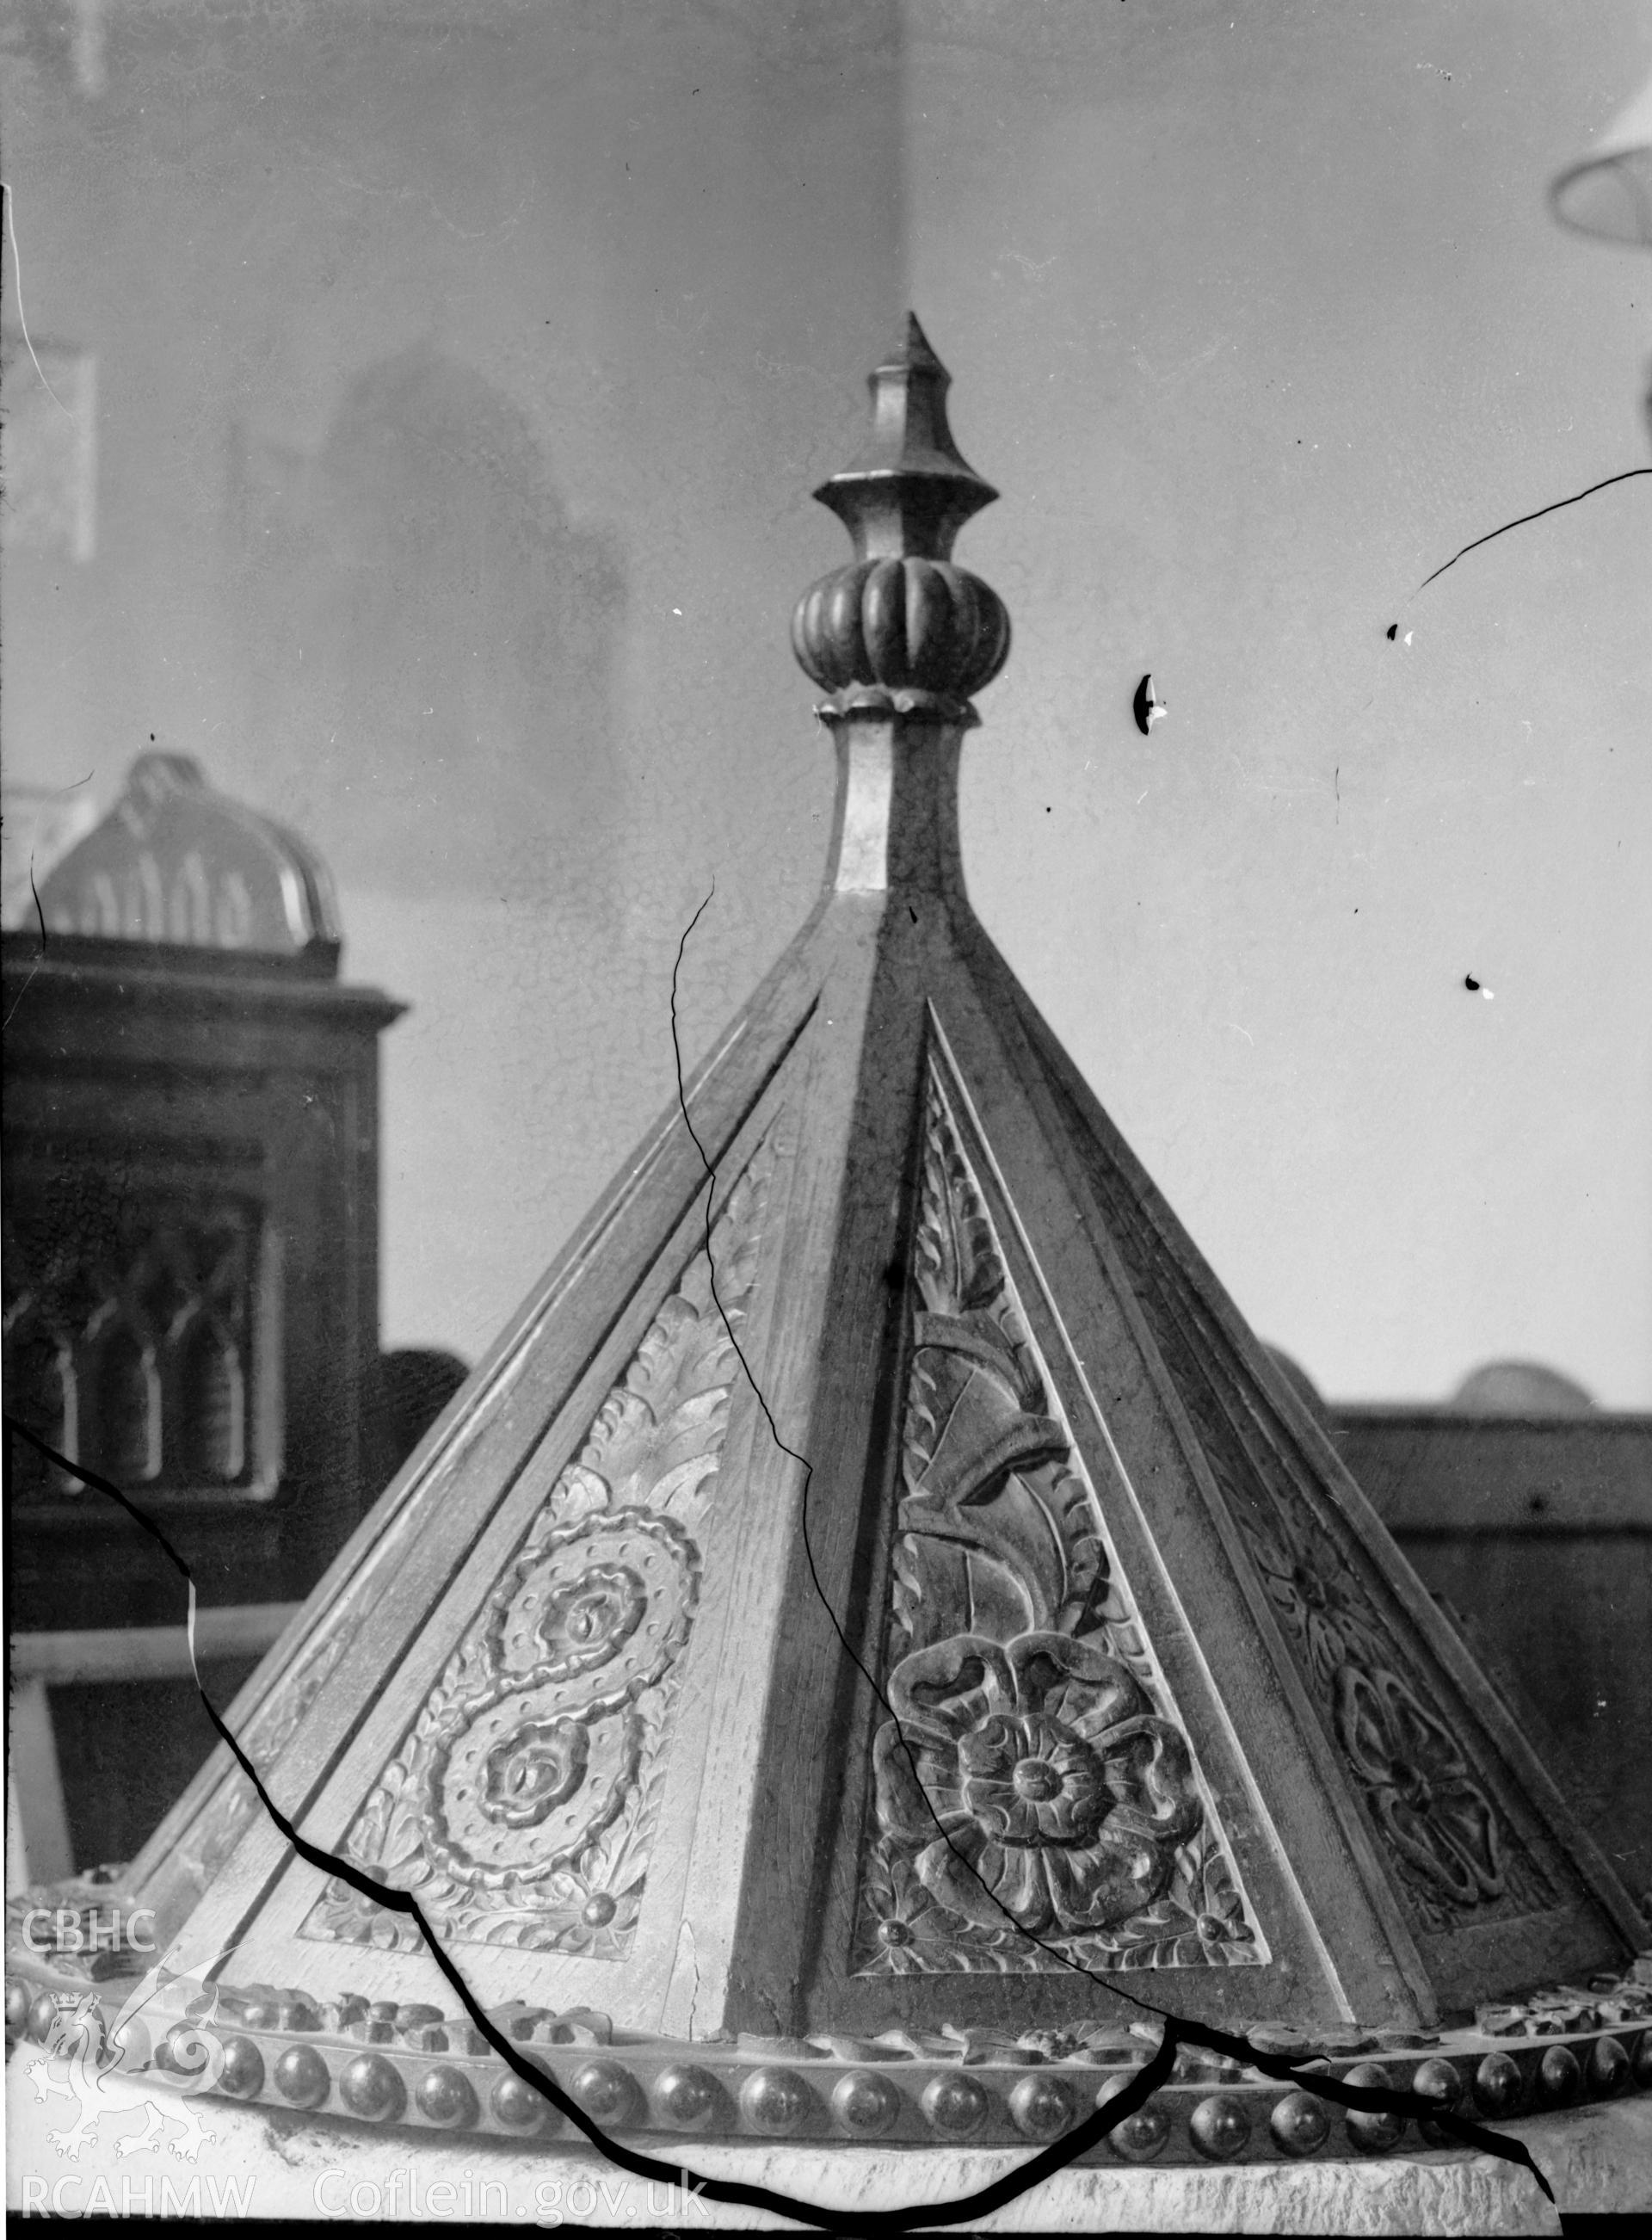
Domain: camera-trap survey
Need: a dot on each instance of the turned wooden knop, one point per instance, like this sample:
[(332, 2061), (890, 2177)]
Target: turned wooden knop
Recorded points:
[(900, 629)]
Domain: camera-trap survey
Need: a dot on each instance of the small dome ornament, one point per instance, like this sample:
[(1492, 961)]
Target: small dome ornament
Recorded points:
[(900, 629)]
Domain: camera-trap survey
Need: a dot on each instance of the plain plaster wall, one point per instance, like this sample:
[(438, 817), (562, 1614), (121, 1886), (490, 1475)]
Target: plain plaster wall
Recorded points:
[(463, 370), (1257, 315)]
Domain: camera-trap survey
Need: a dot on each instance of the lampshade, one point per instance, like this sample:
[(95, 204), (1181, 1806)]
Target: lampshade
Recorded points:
[(1609, 193)]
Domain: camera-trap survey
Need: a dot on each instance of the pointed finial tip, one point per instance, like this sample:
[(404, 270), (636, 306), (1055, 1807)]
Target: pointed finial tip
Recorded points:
[(909, 491), (912, 347)]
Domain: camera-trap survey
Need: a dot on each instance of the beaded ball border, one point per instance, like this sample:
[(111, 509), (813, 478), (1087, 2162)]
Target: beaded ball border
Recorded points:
[(410, 2066)]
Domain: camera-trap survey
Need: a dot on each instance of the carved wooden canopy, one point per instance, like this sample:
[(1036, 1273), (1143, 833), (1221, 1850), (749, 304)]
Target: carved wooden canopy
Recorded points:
[(878, 1578)]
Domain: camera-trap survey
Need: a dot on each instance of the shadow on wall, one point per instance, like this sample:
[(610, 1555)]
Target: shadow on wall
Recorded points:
[(434, 641)]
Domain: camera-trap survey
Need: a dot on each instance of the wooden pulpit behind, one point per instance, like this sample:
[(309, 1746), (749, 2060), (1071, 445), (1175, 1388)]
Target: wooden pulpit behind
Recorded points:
[(191, 1256)]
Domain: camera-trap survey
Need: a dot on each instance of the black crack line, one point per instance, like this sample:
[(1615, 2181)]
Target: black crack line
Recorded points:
[(1377, 2100), (1628, 475), (735, 2191), (1133, 2095)]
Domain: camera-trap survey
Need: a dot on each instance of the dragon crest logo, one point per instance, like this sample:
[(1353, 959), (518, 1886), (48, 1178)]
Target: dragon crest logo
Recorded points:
[(85, 2052)]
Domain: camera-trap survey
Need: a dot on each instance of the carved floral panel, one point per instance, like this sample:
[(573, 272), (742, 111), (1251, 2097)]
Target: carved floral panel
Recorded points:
[(1455, 1856), (521, 1803), (1035, 1801)]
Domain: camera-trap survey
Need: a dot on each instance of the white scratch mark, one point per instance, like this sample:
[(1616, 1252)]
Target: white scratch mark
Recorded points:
[(16, 290)]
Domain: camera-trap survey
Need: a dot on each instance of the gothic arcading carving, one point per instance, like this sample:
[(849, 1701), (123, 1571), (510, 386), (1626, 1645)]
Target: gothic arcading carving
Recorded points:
[(1034, 1782), (522, 1803), (130, 1336)]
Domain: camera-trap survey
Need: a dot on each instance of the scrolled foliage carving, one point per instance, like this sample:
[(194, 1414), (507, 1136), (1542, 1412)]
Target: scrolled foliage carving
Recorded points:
[(524, 1773), (521, 1803)]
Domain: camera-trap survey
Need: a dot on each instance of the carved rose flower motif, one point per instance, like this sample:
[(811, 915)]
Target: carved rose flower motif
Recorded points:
[(1419, 1784), (910, 1921), (1035, 1781), (1317, 1609)]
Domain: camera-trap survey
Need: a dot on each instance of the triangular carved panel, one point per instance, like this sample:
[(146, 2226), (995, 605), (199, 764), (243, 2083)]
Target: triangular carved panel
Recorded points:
[(521, 1805), (1456, 1859), (1037, 1803)]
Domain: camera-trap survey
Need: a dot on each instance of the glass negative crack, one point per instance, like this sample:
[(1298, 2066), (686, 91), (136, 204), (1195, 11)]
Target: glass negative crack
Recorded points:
[(214, 1834), (1035, 1781), (520, 1806)]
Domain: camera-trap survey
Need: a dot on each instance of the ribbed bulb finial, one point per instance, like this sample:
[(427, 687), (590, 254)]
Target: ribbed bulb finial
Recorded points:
[(901, 627)]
